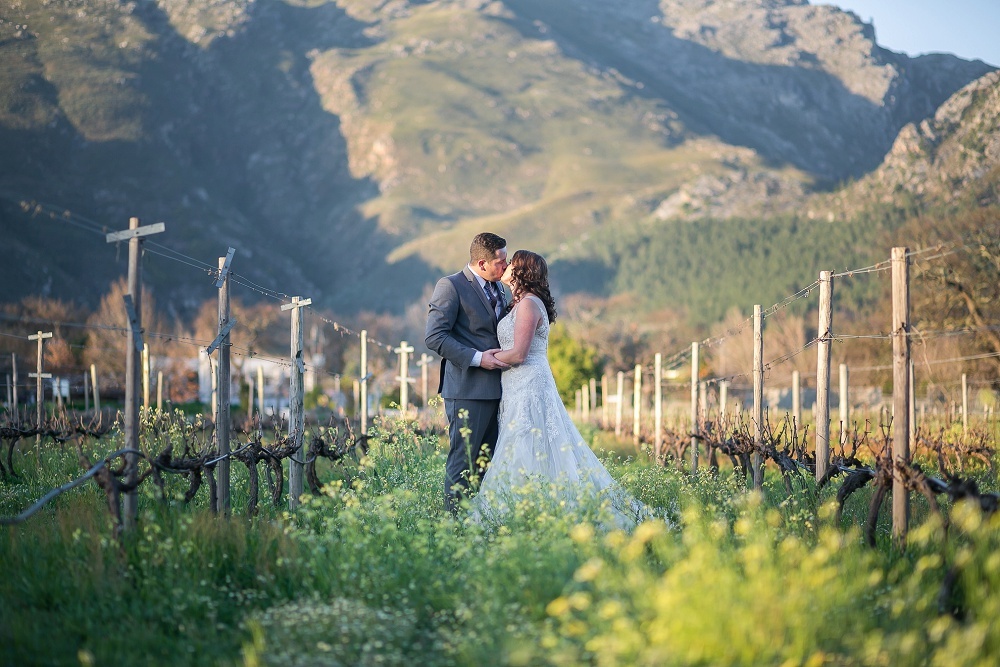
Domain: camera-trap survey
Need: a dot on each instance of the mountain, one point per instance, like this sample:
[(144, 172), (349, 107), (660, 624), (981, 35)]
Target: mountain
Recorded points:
[(349, 149)]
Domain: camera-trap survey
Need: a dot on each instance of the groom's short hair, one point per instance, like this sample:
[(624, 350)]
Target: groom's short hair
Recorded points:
[(485, 246)]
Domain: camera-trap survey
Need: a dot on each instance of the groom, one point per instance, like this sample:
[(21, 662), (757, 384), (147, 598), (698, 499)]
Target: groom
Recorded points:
[(462, 328)]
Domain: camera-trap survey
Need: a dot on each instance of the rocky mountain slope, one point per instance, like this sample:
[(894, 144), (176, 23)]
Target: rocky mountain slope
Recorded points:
[(348, 149)]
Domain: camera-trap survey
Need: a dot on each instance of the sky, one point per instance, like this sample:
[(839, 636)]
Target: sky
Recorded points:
[(969, 29)]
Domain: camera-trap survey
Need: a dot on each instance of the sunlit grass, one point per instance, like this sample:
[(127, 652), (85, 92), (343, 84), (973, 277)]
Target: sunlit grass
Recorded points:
[(374, 571)]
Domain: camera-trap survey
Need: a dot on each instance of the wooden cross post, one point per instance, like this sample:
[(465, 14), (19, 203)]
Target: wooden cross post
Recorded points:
[(222, 396), (296, 406), (39, 388), (133, 303), (404, 378)]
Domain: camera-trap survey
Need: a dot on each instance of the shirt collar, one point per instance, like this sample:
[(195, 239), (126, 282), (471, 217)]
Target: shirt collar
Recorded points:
[(482, 281)]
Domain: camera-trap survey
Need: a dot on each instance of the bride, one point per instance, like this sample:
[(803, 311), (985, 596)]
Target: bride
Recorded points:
[(538, 442)]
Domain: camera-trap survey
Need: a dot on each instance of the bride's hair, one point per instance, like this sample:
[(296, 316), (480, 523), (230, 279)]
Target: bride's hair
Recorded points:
[(530, 273)]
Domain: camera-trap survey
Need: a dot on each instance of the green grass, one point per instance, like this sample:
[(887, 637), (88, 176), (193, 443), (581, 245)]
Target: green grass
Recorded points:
[(375, 572)]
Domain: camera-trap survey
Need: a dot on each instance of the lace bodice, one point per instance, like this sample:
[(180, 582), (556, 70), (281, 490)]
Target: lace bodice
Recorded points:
[(538, 352)]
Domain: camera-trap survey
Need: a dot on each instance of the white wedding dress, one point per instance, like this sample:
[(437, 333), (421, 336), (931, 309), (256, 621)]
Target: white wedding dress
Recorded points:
[(539, 449)]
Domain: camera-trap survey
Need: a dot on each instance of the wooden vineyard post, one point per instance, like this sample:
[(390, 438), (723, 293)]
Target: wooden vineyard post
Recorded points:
[(13, 372), (695, 362), (260, 391), (845, 410), (636, 404), (796, 399), (723, 398), (758, 397), (658, 406), (965, 403), (605, 387), (145, 377), (593, 397), (619, 402), (97, 390), (39, 387), (424, 363), (363, 385), (133, 306), (900, 331), (296, 407), (822, 409), (404, 378), (159, 391), (224, 385)]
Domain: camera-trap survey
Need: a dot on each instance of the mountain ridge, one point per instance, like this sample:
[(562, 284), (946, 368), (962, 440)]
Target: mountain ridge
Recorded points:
[(349, 149)]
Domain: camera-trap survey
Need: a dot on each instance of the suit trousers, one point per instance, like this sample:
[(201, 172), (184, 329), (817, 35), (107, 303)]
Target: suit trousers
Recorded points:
[(480, 418)]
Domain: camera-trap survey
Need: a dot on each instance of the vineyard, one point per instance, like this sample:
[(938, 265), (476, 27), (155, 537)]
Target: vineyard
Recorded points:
[(139, 532)]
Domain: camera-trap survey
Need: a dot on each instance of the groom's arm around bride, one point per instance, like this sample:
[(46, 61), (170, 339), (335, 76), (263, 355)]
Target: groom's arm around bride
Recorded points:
[(462, 328)]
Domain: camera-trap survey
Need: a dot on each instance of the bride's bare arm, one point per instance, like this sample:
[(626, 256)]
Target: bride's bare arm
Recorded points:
[(528, 316)]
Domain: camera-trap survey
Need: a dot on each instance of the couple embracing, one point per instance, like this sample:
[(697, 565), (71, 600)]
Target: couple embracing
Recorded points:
[(490, 324)]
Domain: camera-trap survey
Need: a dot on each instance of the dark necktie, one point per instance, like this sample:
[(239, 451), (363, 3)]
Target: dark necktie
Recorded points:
[(495, 299)]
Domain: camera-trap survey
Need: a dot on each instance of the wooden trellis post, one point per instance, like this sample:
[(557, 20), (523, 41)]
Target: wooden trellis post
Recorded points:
[(822, 410), (404, 378), (223, 408), (658, 405), (424, 363), (619, 402), (13, 372), (296, 407), (796, 399), (845, 410), (86, 393), (605, 382), (97, 390), (260, 390), (363, 384), (965, 403), (145, 377), (159, 391), (585, 401), (133, 305), (593, 397), (695, 363), (758, 397), (39, 387), (636, 404), (900, 332)]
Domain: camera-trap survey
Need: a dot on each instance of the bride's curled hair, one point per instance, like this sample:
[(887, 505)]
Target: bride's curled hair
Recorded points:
[(530, 274)]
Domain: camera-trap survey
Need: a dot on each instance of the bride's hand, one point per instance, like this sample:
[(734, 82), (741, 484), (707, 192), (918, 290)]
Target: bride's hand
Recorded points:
[(490, 362)]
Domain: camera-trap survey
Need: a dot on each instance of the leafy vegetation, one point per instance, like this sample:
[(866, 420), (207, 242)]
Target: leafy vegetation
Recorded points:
[(374, 572)]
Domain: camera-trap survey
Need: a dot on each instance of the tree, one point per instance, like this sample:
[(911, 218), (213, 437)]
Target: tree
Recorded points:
[(573, 363), (956, 284)]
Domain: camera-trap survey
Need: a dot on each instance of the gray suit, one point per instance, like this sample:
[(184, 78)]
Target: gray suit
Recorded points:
[(461, 322)]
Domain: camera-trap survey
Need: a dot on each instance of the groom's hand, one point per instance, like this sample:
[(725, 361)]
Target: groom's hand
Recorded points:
[(491, 363)]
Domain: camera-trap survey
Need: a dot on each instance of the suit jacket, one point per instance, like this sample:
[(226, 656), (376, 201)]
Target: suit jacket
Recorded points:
[(461, 322)]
